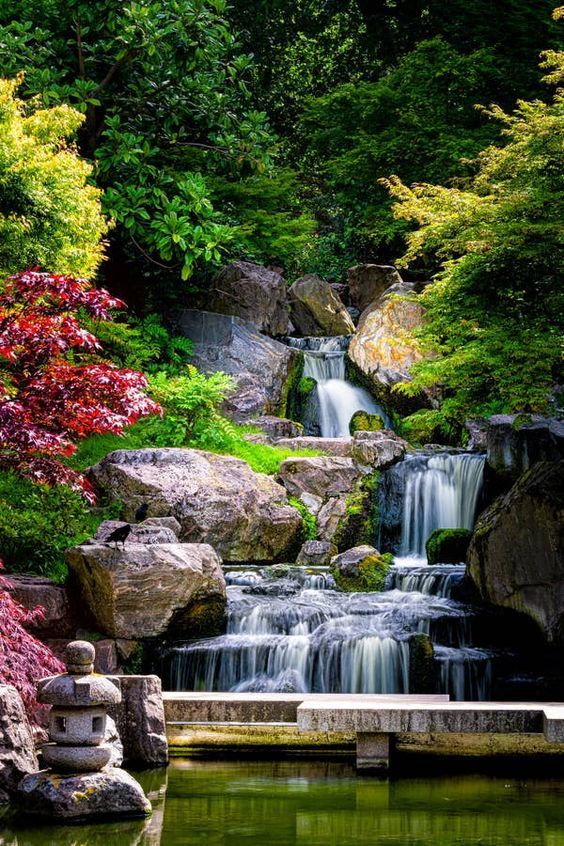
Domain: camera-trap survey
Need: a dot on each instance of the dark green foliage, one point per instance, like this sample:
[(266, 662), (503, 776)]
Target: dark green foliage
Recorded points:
[(143, 344), (298, 398), (448, 546), (37, 525)]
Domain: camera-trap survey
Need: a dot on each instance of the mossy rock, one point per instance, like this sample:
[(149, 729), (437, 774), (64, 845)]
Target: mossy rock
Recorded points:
[(448, 546), (362, 421), (361, 570), (359, 523), (422, 667)]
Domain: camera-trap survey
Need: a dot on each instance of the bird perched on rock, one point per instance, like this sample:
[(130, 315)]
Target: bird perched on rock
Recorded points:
[(141, 512), (119, 535)]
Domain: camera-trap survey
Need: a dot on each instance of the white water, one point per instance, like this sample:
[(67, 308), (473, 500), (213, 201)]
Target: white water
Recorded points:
[(441, 492), (338, 399)]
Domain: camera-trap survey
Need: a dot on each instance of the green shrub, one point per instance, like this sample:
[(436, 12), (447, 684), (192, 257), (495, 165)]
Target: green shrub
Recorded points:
[(448, 546), (310, 520), (37, 525)]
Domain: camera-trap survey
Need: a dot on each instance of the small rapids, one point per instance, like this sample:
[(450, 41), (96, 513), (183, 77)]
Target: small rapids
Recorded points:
[(297, 633)]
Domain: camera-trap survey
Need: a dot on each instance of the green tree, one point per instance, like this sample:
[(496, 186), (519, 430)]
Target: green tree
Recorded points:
[(418, 121), (163, 89), (495, 310), (49, 214)]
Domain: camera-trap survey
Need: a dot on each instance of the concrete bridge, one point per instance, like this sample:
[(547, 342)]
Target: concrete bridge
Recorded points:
[(370, 726)]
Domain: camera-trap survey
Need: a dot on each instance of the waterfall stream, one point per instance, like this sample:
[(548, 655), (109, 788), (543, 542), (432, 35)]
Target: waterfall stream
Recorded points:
[(339, 399)]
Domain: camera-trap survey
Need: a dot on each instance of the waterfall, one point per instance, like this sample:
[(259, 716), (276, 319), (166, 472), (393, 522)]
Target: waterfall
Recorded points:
[(440, 492), (324, 361)]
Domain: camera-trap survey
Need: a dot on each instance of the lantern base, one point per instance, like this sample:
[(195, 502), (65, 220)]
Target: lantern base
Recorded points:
[(107, 794), (76, 759)]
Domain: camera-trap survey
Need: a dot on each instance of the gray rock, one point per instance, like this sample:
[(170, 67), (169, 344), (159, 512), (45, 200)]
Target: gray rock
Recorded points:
[(59, 619), (141, 721), (517, 441), (317, 309), (163, 522), (217, 499), (316, 553), (17, 749), (109, 793), (139, 532), (260, 366), (334, 446), (367, 282), (278, 427), (147, 591), (516, 556), (378, 450), (477, 429), (330, 516), (348, 563), (323, 476), (252, 292)]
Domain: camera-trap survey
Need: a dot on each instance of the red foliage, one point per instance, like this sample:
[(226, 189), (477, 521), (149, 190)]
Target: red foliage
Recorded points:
[(23, 658), (49, 395)]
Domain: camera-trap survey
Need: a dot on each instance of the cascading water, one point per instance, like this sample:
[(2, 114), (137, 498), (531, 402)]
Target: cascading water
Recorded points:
[(324, 361), (428, 491)]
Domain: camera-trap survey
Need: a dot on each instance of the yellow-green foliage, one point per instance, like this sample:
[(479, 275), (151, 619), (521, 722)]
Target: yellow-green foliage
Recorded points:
[(49, 214)]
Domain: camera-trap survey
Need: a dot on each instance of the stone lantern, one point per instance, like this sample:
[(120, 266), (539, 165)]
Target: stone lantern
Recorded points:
[(77, 722), (81, 784)]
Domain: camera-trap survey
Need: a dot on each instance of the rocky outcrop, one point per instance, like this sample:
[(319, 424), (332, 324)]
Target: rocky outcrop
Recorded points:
[(516, 557), (146, 533), (378, 450), (141, 590), (317, 309), (216, 499), (141, 723), (59, 618), (361, 569), (333, 446), (367, 283), (261, 367), (252, 292), (330, 517), (316, 553), (383, 348), (323, 477), (17, 749), (515, 442)]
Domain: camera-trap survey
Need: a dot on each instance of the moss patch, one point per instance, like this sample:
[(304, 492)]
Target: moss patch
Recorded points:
[(310, 520), (360, 521), (448, 546), (362, 421), (289, 399)]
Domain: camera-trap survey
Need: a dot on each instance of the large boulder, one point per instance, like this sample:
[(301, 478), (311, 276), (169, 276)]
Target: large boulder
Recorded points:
[(216, 499), (361, 569), (448, 546), (59, 618), (141, 722), (516, 556), (317, 309), (261, 367), (378, 450), (332, 446), (278, 427), (515, 442), (383, 348), (316, 553), (323, 477), (149, 590), (367, 283), (17, 749), (253, 292)]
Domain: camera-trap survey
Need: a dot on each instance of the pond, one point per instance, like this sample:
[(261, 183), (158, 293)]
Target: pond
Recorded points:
[(289, 803)]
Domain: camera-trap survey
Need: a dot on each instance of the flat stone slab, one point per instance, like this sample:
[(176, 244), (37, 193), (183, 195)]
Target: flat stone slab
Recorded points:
[(107, 794), (188, 707), (401, 716)]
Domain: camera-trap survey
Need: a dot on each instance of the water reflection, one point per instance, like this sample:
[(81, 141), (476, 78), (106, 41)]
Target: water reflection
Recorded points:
[(321, 804)]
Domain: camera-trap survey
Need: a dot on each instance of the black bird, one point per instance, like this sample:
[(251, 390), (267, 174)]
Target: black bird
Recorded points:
[(141, 512), (119, 535)]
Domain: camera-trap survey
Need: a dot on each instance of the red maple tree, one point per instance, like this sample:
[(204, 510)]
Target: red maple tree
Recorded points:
[(54, 387), (23, 658)]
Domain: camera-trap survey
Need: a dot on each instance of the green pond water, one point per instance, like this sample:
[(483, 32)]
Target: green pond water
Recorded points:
[(318, 804)]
